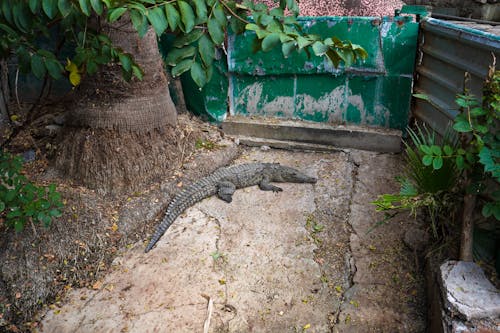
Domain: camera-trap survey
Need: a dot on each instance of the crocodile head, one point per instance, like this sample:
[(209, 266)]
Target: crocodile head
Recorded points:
[(291, 175)]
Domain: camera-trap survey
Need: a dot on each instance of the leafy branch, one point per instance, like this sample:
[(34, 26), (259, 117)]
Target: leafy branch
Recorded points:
[(199, 25)]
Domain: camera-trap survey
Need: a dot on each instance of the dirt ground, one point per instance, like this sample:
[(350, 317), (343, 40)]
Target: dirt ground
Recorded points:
[(303, 260), (38, 265)]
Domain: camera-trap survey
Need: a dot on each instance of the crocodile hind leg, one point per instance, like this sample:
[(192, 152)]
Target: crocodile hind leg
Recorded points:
[(225, 190), (264, 185)]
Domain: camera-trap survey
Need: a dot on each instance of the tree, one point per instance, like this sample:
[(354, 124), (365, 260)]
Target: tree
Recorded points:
[(119, 129)]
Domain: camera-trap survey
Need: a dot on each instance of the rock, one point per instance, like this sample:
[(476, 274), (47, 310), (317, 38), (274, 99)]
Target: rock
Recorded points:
[(29, 156), (467, 292), (52, 130), (416, 239)]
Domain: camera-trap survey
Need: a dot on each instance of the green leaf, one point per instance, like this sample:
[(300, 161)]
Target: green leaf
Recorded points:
[(173, 16), (55, 213), (252, 27), (237, 26), (486, 159), (288, 47), (477, 112), (215, 31), (7, 10), (115, 13), (346, 55), (158, 20), (65, 7), (10, 195), (491, 208), (50, 8), (333, 57), (139, 21), (319, 48), (462, 127), (425, 149), (201, 11), (270, 41), (187, 15), (436, 150), (303, 42), (126, 61), (2, 206), (427, 160), (278, 12), (460, 162), (186, 39), (22, 16), (220, 16), (97, 6), (481, 128), (34, 6), (92, 67), (448, 150), (15, 212), (206, 49), (85, 7), (38, 66), (265, 19), (182, 67), (425, 97), (174, 56), (18, 225), (360, 51), (137, 71), (198, 74), (437, 163), (54, 68)]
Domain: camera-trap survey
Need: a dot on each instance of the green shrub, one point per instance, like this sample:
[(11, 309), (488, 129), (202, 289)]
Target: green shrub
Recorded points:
[(422, 186), (21, 201)]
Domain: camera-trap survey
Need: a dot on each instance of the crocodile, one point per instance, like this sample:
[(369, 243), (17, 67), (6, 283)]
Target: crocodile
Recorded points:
[(223, 182)]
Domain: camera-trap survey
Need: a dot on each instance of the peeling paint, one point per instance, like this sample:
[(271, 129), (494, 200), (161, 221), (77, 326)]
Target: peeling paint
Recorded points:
[(331, 106)]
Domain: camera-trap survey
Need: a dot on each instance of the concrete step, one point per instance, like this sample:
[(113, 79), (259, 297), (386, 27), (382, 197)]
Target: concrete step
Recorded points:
[(274, 132)]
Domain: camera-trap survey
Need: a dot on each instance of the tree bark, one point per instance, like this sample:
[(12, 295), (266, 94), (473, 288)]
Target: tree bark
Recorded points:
[(4, 101), (121, 135), (466, 237)]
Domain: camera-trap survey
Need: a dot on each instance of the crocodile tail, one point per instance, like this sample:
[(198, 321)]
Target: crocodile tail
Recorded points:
[(181, 202), (162, 228)]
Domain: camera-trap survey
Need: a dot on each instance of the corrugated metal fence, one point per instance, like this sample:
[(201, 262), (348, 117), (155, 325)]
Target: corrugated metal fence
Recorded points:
[(448, 50)]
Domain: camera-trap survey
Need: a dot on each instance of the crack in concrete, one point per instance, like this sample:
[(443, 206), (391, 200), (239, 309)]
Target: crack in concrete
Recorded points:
[(349, 259), (223, 265)]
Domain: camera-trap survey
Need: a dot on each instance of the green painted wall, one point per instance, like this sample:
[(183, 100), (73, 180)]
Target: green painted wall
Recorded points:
[(376, 92)]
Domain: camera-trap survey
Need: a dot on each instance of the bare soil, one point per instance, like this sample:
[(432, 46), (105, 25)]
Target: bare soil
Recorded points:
[(39, 265)]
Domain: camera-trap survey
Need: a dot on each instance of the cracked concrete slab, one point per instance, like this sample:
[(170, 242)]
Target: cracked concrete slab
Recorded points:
[(296, 261)]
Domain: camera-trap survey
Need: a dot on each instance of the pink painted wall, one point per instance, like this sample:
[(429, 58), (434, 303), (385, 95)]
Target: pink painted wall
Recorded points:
[(345, 7)]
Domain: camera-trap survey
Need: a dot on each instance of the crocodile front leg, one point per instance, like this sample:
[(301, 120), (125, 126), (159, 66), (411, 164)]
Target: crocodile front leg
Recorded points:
[(264, 185), (225, 190)]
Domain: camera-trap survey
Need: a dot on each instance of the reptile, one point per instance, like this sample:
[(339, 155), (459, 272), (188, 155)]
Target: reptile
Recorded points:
[(223, 183)]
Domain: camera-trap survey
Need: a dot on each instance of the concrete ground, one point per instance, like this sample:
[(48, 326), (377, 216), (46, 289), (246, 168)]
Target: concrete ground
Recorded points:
[(302, 260)]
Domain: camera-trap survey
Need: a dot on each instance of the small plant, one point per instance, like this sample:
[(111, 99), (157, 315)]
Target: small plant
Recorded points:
[(21, 201), (479, 154), (205, 144), (422, 186)]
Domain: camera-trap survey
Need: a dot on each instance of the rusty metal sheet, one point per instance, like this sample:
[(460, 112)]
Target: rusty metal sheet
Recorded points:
[(448, 50)]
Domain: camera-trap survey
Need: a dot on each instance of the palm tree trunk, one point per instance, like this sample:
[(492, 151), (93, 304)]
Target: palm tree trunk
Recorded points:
[(121, 135)]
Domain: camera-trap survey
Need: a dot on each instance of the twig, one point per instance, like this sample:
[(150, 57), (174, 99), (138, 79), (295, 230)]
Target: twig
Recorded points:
[(210, 309)]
